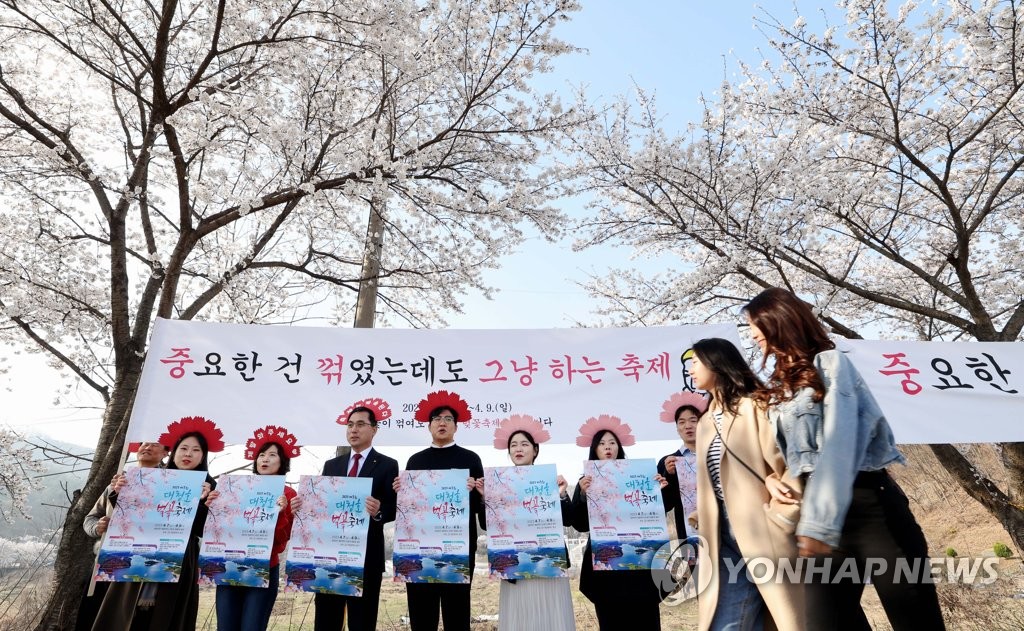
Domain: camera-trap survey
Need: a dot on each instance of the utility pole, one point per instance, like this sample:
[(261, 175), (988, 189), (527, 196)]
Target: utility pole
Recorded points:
[(366, 301)]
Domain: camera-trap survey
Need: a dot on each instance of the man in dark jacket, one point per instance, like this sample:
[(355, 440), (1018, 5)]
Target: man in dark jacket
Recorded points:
[(365, 462), (443, 411)]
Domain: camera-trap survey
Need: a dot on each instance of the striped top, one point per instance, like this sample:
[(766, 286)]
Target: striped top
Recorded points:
[(715, 457)]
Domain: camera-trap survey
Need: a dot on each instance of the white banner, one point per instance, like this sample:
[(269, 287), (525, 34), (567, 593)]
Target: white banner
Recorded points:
[(945, 392), (245, 376)]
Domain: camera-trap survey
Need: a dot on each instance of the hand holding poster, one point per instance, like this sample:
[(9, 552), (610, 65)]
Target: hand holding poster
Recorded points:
[(432, 528), (239, 533), (627, 516), (327, 550), (150, 527), (525, 537)]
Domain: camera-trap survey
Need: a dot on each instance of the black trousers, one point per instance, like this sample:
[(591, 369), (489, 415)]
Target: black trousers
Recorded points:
[(881, 537), (90, 606), (425, 600), (615, 615), (330, 609)]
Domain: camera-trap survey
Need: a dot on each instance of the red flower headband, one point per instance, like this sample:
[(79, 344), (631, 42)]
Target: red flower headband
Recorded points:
[(595, 425), (271, 434), (678, 400), (519, 423), (189, 424), (380, 407), (442, 399)]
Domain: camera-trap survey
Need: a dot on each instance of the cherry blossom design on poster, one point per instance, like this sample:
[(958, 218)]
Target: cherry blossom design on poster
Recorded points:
[(239, 534), (150, 526), (327, 550), (627, 515), (432, 528), (525, 536)]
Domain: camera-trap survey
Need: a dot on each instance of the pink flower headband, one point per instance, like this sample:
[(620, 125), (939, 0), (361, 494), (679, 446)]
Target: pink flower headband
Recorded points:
[(612, 423), (519, 423), (271, 434), (678, 400)]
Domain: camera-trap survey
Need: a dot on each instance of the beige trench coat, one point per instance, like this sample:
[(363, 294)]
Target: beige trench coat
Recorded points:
[(748, 434)]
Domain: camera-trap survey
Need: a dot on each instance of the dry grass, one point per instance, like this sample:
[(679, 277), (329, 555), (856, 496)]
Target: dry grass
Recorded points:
[(294, 612)]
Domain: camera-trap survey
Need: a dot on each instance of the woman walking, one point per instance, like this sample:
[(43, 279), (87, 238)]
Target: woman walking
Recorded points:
[(833, 434), (736, 453)]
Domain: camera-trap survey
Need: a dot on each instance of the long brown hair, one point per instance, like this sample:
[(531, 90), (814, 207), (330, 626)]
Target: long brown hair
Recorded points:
[(793, 335), (733, 377)]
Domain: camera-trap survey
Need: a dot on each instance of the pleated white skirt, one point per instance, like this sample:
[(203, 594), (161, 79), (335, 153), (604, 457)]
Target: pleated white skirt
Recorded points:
[(536, 604)]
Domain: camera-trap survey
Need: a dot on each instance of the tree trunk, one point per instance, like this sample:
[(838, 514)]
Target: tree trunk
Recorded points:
[(73, 564), (984, 490), (1013, 459)]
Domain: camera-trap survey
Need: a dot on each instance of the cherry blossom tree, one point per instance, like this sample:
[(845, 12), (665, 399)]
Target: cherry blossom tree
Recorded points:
[(872, 168), (18, 471), (213, 159)]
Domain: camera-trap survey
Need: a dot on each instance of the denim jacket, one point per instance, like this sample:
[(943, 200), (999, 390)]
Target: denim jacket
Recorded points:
[(832, 440)]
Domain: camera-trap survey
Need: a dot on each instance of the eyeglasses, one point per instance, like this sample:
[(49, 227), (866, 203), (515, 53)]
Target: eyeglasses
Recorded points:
[(360, 424), (443, 419)]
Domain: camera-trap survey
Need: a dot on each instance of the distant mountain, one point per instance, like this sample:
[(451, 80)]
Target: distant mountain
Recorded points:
[(62, 477)]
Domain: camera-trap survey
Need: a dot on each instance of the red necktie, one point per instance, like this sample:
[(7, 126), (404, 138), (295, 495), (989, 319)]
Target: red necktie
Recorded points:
[(355, 466)]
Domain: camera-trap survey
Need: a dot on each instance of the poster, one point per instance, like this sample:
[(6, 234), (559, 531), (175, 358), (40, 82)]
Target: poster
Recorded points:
[(432, 528), (686, 475), (150, 527), (239, 533), (525, 535), (327, 550), (627, 515)]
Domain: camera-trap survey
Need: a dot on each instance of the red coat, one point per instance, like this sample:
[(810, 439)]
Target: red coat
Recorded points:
[(283, 530)]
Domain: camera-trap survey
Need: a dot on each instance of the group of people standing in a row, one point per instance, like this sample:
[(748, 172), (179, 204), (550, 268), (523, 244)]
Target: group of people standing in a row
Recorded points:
[(794, 467)]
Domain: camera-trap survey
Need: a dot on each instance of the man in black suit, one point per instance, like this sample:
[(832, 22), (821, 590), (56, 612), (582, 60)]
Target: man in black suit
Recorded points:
[(365, 462)]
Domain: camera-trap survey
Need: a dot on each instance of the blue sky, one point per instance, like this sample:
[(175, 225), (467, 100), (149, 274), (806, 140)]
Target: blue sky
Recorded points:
[(677, 49)]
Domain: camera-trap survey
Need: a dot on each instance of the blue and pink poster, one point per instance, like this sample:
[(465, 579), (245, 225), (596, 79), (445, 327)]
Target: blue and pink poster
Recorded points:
[(239, 533), (627, 515), (525, 536), (150, 527), (327, 551), (432, 528)]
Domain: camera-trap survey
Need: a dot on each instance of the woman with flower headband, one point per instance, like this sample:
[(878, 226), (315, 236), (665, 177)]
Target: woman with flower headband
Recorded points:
[(534, 603), (241, 608), (736, 453), (623, 599), (172, 606)]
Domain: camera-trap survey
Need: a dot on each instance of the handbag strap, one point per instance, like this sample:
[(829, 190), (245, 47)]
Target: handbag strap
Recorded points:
[(733, 455)]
